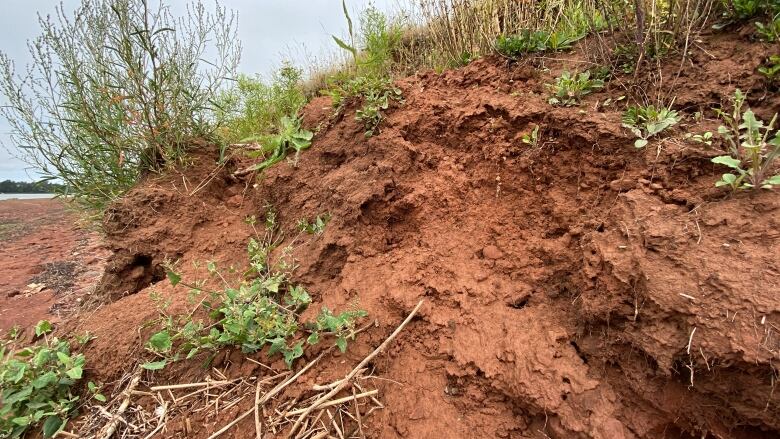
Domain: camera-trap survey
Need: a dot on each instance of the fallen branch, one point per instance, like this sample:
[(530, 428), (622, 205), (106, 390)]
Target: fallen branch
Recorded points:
[(110, 428), (354, 371), (187, 386)]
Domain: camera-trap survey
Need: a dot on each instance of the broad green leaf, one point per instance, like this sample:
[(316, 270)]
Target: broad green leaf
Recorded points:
[(43, 327), (173, 277), (161, 341), (313, 338), (154, 365), (640, 143), (727, 160), (341, 343), (52, 425), (100, 397), (774, 180), (75, 372)]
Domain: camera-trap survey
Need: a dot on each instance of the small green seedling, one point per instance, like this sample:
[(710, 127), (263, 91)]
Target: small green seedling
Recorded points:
[(648, 121), (771, 68), (753, 148), (532, 138), (570, 88), (316, 227), (705, 138), (769, 32)]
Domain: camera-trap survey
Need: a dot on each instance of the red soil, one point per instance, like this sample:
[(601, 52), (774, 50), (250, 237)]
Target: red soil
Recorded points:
[(41, 244), (577, 289)]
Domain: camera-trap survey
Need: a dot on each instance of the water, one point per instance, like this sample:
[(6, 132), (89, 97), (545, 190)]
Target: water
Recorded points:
[(25, 196)]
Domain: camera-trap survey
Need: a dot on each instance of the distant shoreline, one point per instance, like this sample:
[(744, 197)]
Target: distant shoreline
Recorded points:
[(4, 197)]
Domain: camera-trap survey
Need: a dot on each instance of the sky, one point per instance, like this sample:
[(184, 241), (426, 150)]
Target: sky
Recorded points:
[(270, 31)]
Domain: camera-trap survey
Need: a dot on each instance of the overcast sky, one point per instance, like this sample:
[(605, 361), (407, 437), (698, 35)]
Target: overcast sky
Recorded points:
[(270, 31)]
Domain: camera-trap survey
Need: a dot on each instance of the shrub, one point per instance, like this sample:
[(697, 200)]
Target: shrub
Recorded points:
[(116, 90), (570, 88), (254, 108), (370, 77), (753, 148), (647, 121), (36, 385), (261, 310)]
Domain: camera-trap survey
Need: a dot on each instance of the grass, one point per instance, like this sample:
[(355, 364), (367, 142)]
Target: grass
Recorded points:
[(260, 311)]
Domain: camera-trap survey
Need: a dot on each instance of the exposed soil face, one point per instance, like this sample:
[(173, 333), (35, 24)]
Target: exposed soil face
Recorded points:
[(578, 288), (49, 263)]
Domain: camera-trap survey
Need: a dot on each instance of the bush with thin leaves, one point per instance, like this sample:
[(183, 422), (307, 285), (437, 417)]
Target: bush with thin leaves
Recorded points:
[(117, 89)]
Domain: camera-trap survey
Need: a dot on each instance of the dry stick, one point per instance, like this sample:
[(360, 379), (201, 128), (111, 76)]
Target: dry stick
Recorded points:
[(186, 386), (337, 401), (110, 428), (258, 425), (357, 368), (268, 396)]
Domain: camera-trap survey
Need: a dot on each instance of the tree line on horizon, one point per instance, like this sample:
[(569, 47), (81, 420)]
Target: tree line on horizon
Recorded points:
[(26, 187)]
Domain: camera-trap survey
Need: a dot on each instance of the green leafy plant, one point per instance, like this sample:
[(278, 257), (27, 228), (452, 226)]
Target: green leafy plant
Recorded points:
[(36, 385), (705, 138), (529, 41), (255, 108), (315, 227), (274, 147), (117, 89), (531, 138), (570, 88), (771, 68), (369, 79), (260, 310), (648, 121), (769, 32), (753, 147)]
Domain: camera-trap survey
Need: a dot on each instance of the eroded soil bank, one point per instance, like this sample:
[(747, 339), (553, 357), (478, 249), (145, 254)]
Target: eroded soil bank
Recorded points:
[(578, 288)]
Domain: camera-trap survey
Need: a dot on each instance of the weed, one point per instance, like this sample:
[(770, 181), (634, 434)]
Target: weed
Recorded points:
[(531, 138), (261, 310), (570, 88), (648, 121), (254, 108), (316, 227), (371, 79), (769, 32), (274, 147), (705, 138), (751, 152), (529, 41), (771, 68), (36, 385)]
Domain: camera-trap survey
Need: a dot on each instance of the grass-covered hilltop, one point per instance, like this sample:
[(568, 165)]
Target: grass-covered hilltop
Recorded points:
[(482, 218)]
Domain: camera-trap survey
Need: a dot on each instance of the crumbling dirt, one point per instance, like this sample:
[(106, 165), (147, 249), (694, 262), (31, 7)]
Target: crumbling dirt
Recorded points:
[(580, 288)]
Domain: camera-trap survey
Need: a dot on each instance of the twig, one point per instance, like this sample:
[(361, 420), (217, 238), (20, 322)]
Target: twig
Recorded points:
[(268, 396), (337, 401), (110, 428), (187, 386), (161, 421), (258, 425), (354, 371)]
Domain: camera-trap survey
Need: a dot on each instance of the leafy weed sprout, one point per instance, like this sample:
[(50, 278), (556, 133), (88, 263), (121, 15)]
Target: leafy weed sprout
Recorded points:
[(771, 68), (262, 310), (274, 147), (753, 147), (36, 384), (648, 121), (570, 88), (529, 41), (370, 78)]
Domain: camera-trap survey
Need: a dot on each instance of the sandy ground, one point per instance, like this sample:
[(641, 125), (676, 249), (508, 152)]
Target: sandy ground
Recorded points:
[(49, 262)]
